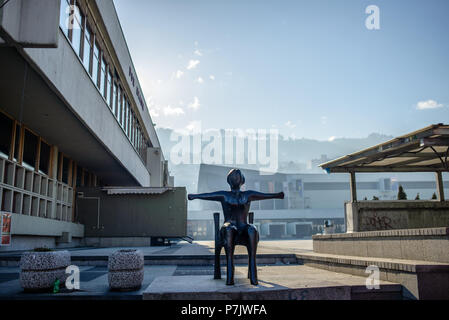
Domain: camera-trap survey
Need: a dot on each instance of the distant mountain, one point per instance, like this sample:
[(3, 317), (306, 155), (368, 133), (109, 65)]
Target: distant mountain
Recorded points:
[(300, 150), (295, 155)]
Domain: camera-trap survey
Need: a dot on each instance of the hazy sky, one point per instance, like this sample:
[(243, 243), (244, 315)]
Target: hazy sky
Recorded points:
[(308, 68)]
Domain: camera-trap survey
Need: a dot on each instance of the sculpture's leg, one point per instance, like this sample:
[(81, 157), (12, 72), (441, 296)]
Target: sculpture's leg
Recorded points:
[(229, 236), (217, 272), (253, 239)]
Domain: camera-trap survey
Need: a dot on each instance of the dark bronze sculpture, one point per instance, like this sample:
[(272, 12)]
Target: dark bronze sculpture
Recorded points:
[(236, 230)]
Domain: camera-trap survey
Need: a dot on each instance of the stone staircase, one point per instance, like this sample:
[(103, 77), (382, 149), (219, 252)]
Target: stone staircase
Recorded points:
[(418, 259)]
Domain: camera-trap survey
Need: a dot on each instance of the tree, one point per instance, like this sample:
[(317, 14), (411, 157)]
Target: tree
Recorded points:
[(375, 198), (401, 194), (417, 197), (434, 196)]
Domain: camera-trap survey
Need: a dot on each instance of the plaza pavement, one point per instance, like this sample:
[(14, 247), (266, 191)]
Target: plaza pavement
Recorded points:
[(94, 278)]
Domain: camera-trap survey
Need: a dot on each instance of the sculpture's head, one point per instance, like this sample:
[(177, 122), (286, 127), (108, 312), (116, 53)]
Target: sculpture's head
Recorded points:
[(235, 179)]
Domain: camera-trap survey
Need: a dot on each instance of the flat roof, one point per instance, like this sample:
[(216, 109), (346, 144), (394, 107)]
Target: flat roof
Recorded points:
[(424, 150)]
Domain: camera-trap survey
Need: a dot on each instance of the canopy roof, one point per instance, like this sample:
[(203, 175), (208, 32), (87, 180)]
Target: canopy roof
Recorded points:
[(425, 150)]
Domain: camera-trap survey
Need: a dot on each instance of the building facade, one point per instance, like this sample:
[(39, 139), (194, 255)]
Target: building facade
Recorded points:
[(72, 115)]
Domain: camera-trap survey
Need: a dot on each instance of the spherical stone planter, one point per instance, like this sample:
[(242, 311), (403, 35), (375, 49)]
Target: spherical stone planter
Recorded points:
[(125, 270), (40, 270)]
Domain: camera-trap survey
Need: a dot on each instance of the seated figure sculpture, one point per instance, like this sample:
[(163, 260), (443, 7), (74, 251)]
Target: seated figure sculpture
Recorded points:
[(236, 230)]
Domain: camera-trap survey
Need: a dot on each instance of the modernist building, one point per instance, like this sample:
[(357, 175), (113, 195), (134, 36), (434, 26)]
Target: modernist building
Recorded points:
[(72, 115), (310, 199)]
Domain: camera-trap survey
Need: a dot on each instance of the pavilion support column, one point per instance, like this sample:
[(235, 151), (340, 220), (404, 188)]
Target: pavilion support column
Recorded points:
[(352, 184), (440, 187)]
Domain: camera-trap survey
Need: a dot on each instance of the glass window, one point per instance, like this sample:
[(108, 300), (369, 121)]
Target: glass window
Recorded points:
[(79, 176), (77, 30), (95, 63), (103, 77), (119, 103), (29, 150), (122, 113), (114, 98), (65, 169), (17, 143), (129, 121), (87, 53), (44, 158), (6, 125), (125, 127), (109, 89), (64, 16)]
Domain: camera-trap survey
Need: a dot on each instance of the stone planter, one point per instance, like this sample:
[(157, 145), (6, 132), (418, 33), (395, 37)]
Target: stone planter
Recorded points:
[(125, 270), (40, 270)]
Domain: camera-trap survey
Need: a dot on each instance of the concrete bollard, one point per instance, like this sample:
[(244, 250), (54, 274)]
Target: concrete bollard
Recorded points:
[(40, 270), (125, 270)]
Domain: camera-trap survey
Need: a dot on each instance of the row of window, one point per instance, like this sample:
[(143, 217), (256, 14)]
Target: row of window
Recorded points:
[(88, 46), (21, 145)]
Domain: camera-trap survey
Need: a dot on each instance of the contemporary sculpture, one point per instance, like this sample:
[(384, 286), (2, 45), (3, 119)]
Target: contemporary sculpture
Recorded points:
[(236, 230)]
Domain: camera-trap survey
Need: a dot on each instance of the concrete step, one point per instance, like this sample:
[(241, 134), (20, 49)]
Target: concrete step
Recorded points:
[(420, 279), (429, 244)]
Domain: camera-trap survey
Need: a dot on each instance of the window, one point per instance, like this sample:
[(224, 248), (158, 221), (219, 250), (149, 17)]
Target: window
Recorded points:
[(114, 98), (29, 150), (95, 63), (119, 103), (6, 127), (122, 113), (128, 131), (17, 143), (79, 176), (103, 77), (65, 170), (64, 17), (77, 30), (109, 89), (125, 127), (44, 158), (87, 52)]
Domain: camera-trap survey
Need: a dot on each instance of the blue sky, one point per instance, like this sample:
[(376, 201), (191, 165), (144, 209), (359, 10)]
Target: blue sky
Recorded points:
[(307, 68)]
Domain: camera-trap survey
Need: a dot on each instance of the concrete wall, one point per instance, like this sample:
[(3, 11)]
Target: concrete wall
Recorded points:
[(29, 232), (31, 23), (133, 215), (390, 215)]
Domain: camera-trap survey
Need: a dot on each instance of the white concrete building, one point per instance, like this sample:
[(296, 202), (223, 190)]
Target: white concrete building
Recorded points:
[(72, 114)]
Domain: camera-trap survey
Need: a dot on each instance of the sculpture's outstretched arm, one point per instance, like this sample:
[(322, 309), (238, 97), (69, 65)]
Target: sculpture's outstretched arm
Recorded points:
[(214, 196), (254, 196)]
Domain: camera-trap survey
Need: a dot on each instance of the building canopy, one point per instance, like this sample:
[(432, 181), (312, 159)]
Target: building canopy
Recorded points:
[(425, 150)]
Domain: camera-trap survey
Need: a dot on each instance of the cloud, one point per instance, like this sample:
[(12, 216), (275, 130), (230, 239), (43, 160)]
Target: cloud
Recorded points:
[(198, 52), (169, 111), (193, 64), (200, 80), (332, 138), (429, 104), (179, 74), (212, 77), (290, 125), (195, 104)]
